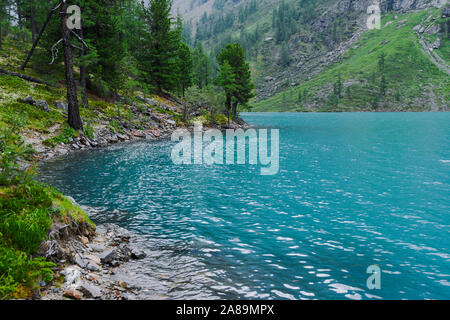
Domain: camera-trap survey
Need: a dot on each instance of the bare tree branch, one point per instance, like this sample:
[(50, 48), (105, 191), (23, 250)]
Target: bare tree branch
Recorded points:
[(55, 51)]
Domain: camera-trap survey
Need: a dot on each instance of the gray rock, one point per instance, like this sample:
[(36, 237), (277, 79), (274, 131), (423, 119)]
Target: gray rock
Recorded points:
[(122, 137), (59, 231), (149, 101), (436, 44), (171, 122), (91, 266), (72, 275), (43, 105), (137, 254), (97, 247), (61, 105), (108, 256), (29, 100), (51, 250), (90, 291), (80, 261), (113, 139)]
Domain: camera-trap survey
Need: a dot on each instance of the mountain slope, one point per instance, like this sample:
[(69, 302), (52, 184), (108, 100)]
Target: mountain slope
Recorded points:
[(314, 36), (413, 82)]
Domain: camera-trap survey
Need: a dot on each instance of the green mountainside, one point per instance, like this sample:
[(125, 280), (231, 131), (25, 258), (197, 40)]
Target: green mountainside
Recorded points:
[(317, 55)]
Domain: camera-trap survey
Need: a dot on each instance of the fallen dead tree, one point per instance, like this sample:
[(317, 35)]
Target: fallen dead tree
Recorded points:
[(27, 78)]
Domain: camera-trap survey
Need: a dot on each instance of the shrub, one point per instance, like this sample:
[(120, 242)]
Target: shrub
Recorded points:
[(19, 273), (25, 216), (12, 150)]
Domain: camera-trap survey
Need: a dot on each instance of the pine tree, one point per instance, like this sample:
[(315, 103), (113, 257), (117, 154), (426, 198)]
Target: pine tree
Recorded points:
[(235, 56), (185, 67), (284, 57), (337, 90), (158, 55), (202, 66), (226, 80), (74, 118), (383, 85), (4, 18)]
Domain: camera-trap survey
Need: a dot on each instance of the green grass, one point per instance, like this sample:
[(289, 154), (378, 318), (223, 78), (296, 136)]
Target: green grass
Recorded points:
[(408, 70), (27, 211)]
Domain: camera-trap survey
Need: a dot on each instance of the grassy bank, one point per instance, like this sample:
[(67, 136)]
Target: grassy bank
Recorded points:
[(27, 211)]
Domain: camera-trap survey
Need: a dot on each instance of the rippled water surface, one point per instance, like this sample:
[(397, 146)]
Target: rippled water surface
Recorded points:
[(353, 190)]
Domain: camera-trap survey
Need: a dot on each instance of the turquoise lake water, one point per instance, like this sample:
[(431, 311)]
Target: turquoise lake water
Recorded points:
[(353, 190)]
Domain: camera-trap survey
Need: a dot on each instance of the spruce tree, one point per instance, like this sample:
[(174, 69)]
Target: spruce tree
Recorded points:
[(157, 59), (185, 67), (234, 55), (226, 80)]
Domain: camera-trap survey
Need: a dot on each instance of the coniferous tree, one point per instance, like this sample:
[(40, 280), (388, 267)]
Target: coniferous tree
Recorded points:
[(337, 89), (201, 66), (234, 55), (4, 18), (284, 56), (74, 118), (158, 55), (185, 67), (227, 81)]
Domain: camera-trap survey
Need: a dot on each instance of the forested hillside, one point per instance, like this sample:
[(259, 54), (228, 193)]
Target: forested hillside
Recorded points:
[(300, 50)]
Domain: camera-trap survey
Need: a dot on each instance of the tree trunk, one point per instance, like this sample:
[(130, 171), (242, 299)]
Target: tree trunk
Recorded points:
[(35, 43), (228, 106), (84, 99), (212, 116), (27, 78), (33, 21), (74, 118), (19, 13), (234, 112)]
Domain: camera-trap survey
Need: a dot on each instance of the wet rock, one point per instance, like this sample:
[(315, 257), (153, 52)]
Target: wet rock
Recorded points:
[(137, 254), (73, 294), (108, 256), (90, 291)]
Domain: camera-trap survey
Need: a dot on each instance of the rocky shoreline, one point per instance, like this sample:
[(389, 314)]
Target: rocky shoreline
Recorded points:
[(87, 257), (146, 124)]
